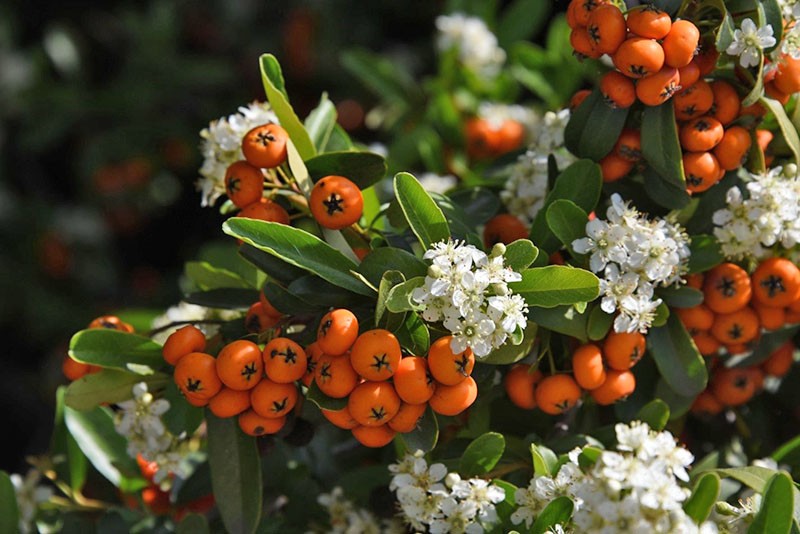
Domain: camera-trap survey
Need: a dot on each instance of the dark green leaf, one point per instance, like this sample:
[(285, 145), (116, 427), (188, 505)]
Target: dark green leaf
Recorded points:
[(225, 298), (181, 416), (599, 323), (320, 122), (300, 249), (589, 456), (482, 454), (788, 451), (362, 168), (382, 76), (787, 128), (235, 474), (287, 302), (423, 215), (9, 513), (545, 461), (678, 404), (777, 507), (704, 495), (661, 149), (192, 524), (655, 413), (313, 289), (479, 202), (205, 276), (414, 335), (388, 281), (324, 402), (107, 386), (73, 466), (424, 437), (338, 141), (768, 343), (116, 350), (558, 512), (752, 476), (562, 319), (399, 298), (520, 254), (510, 353), (677, 358), (706, 253), (274, 86), (593, 116), (521, 20), (567, 222), (556, 285), (380, 260), (273, 266), (680, 297)]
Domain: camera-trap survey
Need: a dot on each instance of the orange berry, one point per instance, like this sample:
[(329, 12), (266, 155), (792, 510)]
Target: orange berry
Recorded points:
[(447, 367), (726, 288), (239, 365), (701, 134), (413, 381), (780, 361), (257, 319), (284, 360), (265, 146), (482, 138), (340, 418), (772, 91), (196, 376), (229, 402), (556, 394), (706, 57), (74, 369), (726, 102), (787, 75), (587, 366), (606, 28), (776, 283), (111, 322), (618, 385), (578, 98), (689, 74), (375, 354), (733, 149), (520, 384), (702, 171), (706, 404), (271, 399), (695, 280), (254, 425), (511, 136), (335, 377), (582, 43), (337, 331), (706, 344), (657, 88), (694, 101), (267, 306), (618, 90), (373, 403), (680, 43), (737, 327), (582, 10), (374, 436), (265, 210), (649, 22), (733, 387), (696, 319), (770, 318), (614, 167), (336, 202), (407, 417), (629, 145), (313, 354), (452, 400), (638, 57), (244, 184), (623, 350), (504, 228), (156, 500)]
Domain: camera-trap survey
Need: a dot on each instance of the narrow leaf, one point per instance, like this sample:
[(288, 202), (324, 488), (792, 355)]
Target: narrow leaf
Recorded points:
[(274, 86), (9, 512), (777, 507), (677, 358), (482, 454), (704, 495), (423, 215), (116, 350)]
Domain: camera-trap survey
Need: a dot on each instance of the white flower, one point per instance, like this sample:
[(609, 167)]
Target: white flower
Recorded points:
[(790, 9), (437, 183), (30, 494), (749, 43), (345, 518), (790, 45), (476, 45)]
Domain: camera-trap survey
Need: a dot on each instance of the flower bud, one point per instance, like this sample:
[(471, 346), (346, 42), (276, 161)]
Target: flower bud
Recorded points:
[(790, 170), (434, 271), (498, 250), (500, 289)]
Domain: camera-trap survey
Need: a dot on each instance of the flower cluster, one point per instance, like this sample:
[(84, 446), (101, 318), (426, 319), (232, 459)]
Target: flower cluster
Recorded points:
[(790, 9), (222, 145), (29, 494), (139, 420), (346, 518), (633, 489), (477, 46), (635, 255), (749, 42), (467, 290), (526, 186), (433, 500), (747, 227)]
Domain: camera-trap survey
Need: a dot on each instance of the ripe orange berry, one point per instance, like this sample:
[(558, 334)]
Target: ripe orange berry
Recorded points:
[(614, 167), (706, 57), (257, 319), (771, 90), (701, 134), (689, 74), (737, 327), (657, 88), (776, 283), (770, 318), (412, 380), (638, 57), (74, 369), (335, 377), (694, 101), (111, 322), (375, 354), (649, 22), (582, 10), (696, 319), (229, 402), (373, 403), (780, 361), (733, 387), (337, 331), (270, 399), (726, 102), (196, 376), (702, 171), (587, 366), (706, 344), (267, 306), (606, 28), (239, 365), (254, 425), (618, 90), (706, 404), (482, 138), (407, 417), (336, 202), (156, 500), (582, 43), (787, 75), (733, 149), (623, 350), (265, 146), (313, 354), (340, 418), (447, 367), (680, 43), (504, 228), (265, 210), (578, 98), (618, 385), (726, 288), (510, 136), (556, 394), (284, 360), (244, 184), (452, 400), (520, 385), (629, 145), (374, 436), (695, 280)]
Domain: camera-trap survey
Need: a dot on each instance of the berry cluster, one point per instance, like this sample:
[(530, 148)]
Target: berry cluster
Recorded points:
[(74, 369)]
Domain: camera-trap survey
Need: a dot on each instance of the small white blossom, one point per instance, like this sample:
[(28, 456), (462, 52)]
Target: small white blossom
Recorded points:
[(790, 45), (476, 45), (346, 518), (30, 494), (749, 43), (790, 9)]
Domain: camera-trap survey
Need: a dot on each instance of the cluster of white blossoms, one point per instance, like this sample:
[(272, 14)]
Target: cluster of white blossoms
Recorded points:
[(790, 9), (477, 46), (433, 500), (139, 421), (633, 489), (635, 255), (526, 186), (747, 227), (222, 145), (346, 518), (749, 43), (468, 291), (29, 494)]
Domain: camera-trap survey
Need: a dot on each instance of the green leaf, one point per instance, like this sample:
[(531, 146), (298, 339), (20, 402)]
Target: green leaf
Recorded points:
[(272, 78), (116, 350), (298, 248), (655, 413), (9, 513), (192, 524), (520, 254), (425, 436), (205, 276), (235, 474), (399, 298), (589, 456), (582, 134), (705, 253), (773, 16), (558, 512), (511, 353), (677, 358), (787, 128), (680, 296), (103, 446), (73, 465), (320, 122), (567, 222), (380, 75), (362, 168), (272, 266), (311, 288), (786, 452), (380, 260), (661, 149), (287, 302), (224, 298), (480, 202), (323, 401), (482, 454), (599, 323), (753, 477), (777, 507), (562, 319), (388, 281), (678, 404), (556, 285), (545, 461), (521, 20), (423, 215), (339, 140), (181, 416), (107, 386), (414, 335), (704, 495)]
